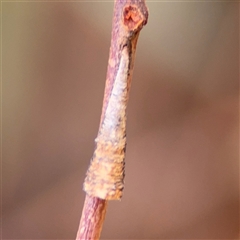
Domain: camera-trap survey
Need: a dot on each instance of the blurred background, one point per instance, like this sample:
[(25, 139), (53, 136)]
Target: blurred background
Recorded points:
[(182, 163)]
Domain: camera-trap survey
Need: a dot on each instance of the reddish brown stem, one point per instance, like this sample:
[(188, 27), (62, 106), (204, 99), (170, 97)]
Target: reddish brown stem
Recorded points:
[(92, 219), (105, 176)]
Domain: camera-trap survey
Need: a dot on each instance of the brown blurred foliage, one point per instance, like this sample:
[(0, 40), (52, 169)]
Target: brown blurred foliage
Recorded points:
[(182, 165)]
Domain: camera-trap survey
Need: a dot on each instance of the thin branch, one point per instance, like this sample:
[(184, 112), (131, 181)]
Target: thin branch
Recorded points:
[(105, 176)]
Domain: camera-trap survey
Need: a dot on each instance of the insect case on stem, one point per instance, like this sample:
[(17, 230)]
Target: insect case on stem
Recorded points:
[(105, 176)]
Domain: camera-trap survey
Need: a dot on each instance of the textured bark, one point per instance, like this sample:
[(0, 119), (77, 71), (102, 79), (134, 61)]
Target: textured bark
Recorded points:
[(93, 215), (105, 176)]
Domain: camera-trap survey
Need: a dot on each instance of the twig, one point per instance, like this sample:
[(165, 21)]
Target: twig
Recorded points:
[(105, 176)]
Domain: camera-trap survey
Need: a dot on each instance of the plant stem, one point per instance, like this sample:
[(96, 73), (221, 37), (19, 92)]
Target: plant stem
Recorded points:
[(105, 176)]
